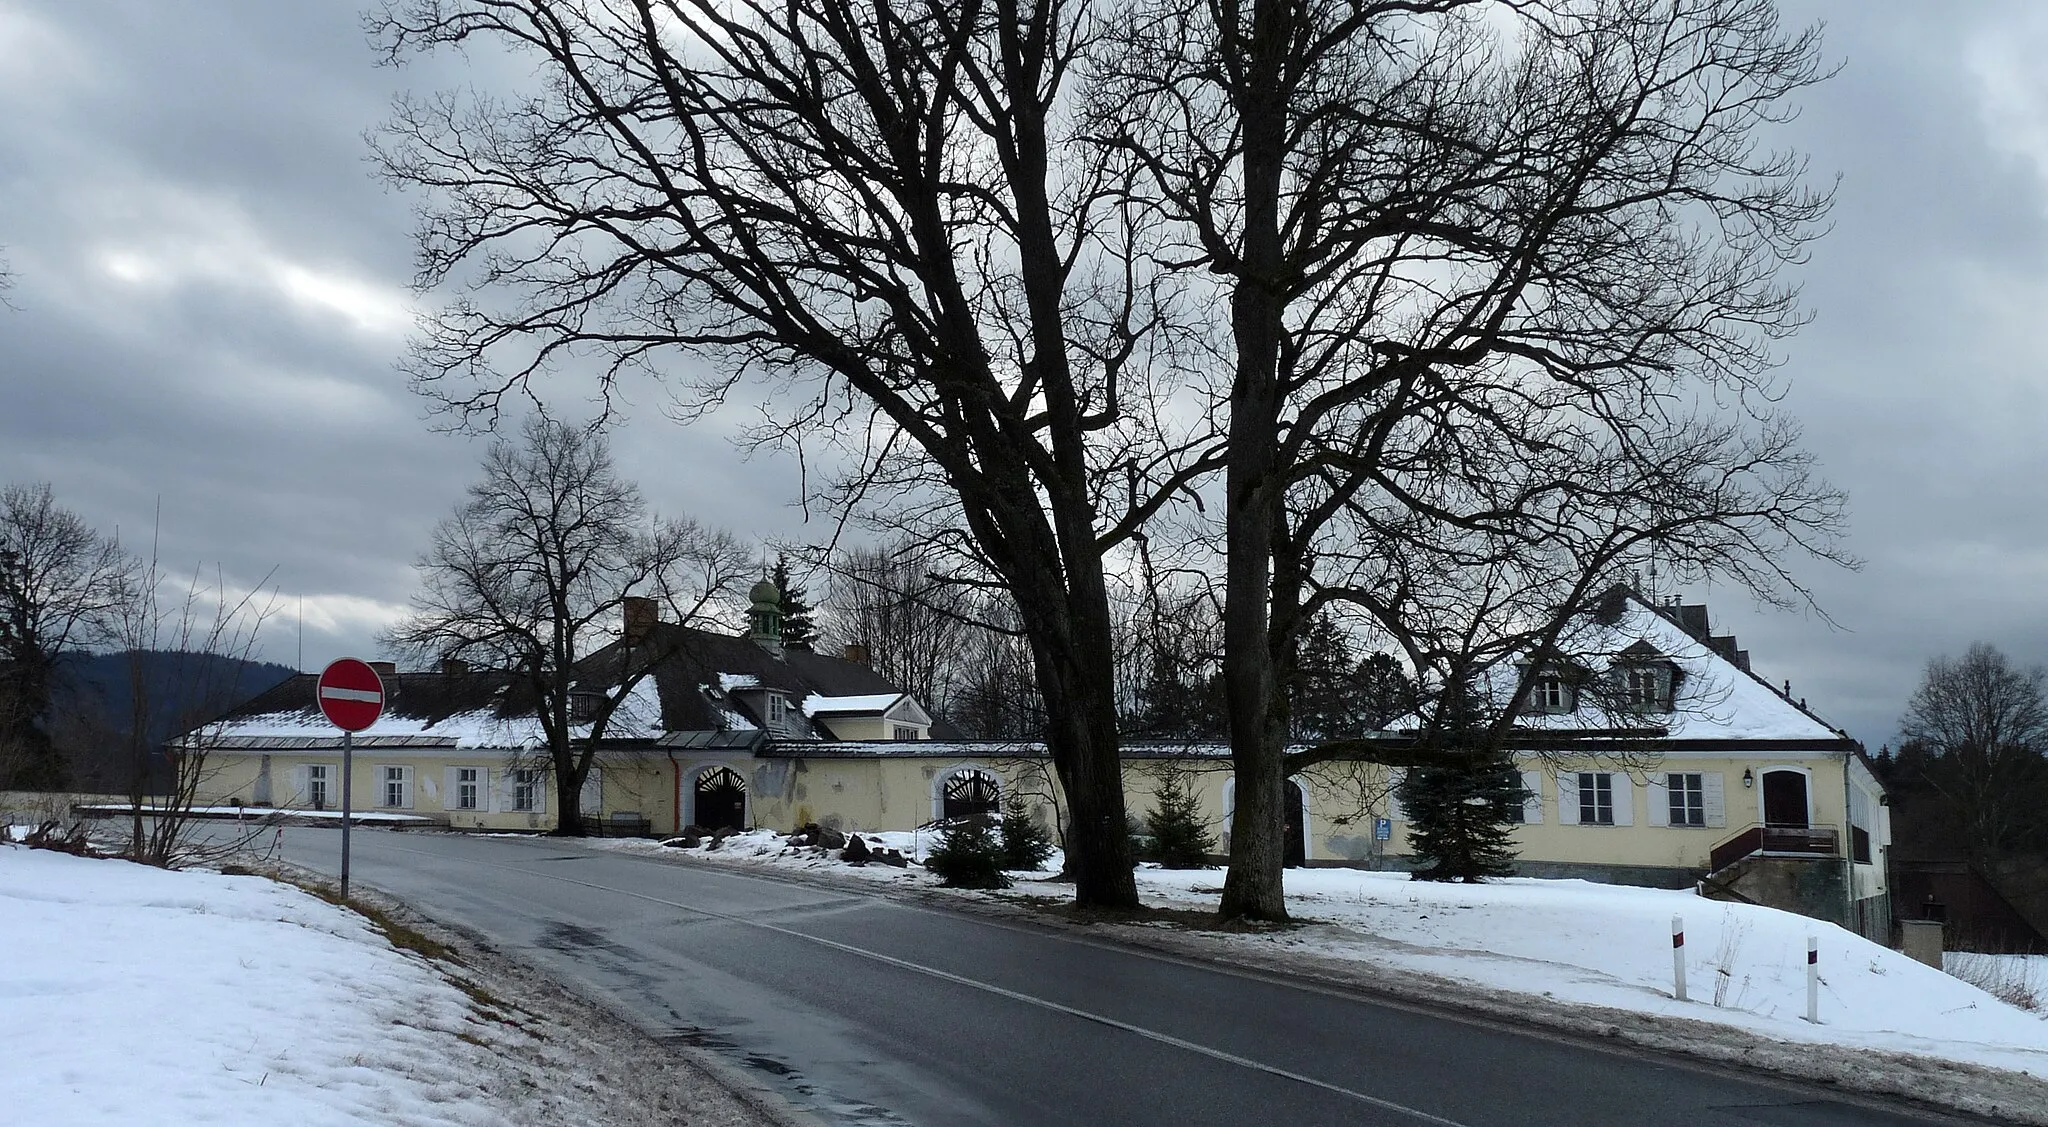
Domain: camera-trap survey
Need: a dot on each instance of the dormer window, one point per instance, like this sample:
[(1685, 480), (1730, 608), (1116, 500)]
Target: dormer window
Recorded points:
[(1551, 693), (778, 711), (1645, 687)]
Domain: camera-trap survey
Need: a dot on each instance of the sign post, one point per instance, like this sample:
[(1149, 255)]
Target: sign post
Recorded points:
[(351, 696)]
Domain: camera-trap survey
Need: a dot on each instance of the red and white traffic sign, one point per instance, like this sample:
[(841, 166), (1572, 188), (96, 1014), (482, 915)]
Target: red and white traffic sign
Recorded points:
[(351, 694)]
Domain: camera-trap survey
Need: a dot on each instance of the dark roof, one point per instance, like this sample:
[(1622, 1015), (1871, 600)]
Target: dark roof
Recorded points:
[(428, 697), (687, 676)]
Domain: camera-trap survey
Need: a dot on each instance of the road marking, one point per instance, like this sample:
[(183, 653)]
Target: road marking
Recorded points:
[(999, 991), (368, 696)]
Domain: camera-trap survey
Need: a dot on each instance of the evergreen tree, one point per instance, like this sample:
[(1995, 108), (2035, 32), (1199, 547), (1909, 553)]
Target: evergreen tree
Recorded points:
[(799, 628), (1385, 692), (1461, 817), (1325, 703), (1026, 844), (1180, 836), (969, 856)]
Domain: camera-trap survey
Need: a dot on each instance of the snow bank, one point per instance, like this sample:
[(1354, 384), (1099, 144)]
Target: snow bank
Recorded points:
[(137, 995)]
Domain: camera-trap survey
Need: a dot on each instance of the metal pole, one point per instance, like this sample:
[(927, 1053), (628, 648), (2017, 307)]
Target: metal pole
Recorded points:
[(348, 771), (1813, 980), (1678, 956)]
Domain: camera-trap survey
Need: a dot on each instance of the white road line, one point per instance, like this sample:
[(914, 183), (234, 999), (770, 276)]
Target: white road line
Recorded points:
[(335, 692), (1013, 995)]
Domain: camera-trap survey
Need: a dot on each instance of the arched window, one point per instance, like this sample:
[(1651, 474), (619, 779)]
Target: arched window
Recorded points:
[(721, 799), (970, 793)]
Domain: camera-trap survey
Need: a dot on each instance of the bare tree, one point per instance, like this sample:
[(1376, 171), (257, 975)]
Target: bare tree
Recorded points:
[(1982, 723), (61, 583), (908, 618), (886, 213), (1456, 236), (188, 657), (530, 573)]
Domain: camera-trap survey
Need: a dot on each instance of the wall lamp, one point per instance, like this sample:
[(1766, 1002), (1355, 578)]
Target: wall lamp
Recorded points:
[(1748, 778)]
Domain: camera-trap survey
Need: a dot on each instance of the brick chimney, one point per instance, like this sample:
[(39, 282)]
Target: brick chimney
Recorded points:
[(453, 667), (854, 652), (384, 668), (641, 615)]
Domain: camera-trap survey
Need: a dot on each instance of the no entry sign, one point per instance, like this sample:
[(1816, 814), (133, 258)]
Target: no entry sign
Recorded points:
[(351, 694)]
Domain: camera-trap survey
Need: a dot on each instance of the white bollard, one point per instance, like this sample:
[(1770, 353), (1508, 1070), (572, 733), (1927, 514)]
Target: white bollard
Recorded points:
[(1678, 956), (1813, 980)]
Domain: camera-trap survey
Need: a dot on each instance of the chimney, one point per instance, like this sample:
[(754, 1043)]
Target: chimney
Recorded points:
[(855, 653), (641, 615), (384, 668), (453, 667)]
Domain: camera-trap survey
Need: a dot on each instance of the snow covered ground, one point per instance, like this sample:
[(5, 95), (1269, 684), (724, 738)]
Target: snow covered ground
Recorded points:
[(137, 995), (1572, 942)]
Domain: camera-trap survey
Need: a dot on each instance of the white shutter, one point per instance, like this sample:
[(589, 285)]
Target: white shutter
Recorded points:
[(591, 800), (451, 792), (541, 783), (302, 786), (1394, 777), (1624, 800), (405, 781), (1567, 798), (1532, 802), (1659, 789), (1713, 799), (498, 784)]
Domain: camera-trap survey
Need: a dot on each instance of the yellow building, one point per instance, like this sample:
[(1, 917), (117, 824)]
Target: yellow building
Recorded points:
[(1652, 756)]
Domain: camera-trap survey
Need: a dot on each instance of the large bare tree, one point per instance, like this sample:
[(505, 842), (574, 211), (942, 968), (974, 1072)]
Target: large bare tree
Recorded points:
[(1481, 258), (1981, 723), (61, 583), (884, 213), (530, 575)]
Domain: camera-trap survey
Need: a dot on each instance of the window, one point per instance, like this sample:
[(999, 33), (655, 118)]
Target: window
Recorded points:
[(1687, 794), (778, 710), (1596, 798), (905, 732), (468, 785), (317, 791), (1642, 686), (525, 789), (1551, 694), (1859, 845), (395, 789)]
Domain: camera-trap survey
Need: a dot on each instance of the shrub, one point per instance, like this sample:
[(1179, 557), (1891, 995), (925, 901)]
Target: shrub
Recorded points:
[(1180, 836), (969, 856), (1026, 844)]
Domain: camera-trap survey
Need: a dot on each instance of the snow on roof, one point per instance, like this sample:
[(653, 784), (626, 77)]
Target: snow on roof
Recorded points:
[(818, 703), (480, 728), (1714, 699), (734, 681)]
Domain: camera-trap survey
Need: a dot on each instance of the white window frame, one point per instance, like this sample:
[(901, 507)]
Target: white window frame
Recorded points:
[(902, 732), (1685, 799), (394, 775), (1551, 694), (525, 783), (469, 793), (778, 710), (319, 787), (1600, 781)]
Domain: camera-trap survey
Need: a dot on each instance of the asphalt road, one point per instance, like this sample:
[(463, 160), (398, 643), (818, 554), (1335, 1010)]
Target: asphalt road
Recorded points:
[(864, 1011)]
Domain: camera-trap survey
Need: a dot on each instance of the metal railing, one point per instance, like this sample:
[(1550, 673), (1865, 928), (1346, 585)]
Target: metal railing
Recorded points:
[(1792, 841)]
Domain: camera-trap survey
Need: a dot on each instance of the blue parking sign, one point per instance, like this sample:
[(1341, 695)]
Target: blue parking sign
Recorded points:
[(1382, 829)]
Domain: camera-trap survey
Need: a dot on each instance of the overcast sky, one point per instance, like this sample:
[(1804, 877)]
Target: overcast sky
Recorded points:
[(211, 290)]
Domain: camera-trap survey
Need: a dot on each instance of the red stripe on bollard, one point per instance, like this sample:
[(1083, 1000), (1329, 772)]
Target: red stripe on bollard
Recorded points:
[(1678, 939)]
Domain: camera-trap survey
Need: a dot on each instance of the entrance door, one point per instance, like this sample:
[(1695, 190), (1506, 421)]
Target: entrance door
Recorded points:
[(721, 800), (1296, 842), (970, 794), (1785, 799)]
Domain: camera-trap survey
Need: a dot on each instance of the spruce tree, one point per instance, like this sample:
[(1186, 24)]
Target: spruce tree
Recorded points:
[(799, 629), (969, 856), (1026, 844), (1461, 817), (1180, 837)]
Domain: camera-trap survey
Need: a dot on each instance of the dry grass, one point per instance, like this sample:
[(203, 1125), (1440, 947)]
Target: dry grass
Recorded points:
[(2017, 980)]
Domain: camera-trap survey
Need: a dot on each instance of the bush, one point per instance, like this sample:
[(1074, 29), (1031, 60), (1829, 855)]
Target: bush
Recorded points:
[(969, 856), (1180, 836), (1026, 845)]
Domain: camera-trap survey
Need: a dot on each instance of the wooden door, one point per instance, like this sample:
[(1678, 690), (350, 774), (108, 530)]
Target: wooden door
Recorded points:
[(1785, 799)]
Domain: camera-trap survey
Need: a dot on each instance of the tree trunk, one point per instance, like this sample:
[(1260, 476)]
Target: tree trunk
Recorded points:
[(1254, 489)]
